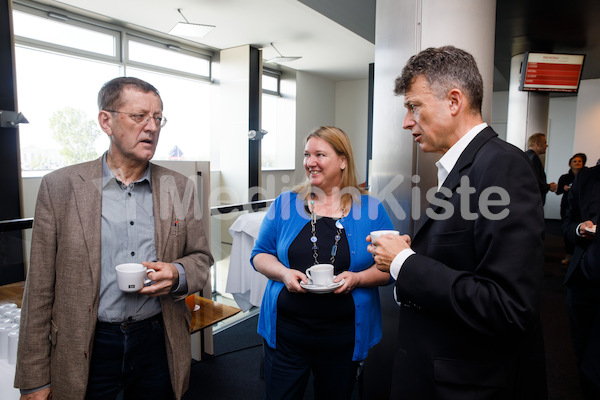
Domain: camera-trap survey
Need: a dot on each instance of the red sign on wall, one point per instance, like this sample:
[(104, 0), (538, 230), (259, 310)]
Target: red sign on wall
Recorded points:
[(552, 72)]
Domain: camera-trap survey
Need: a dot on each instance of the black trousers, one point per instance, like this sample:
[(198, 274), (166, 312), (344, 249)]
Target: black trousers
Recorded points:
[(583, 306), (129, 361), (328, 357)]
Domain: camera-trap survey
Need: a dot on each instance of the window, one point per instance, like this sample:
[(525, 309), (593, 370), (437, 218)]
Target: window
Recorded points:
[(62, 63), (54, 33), (187, 108), (270, 83), (146, 53), (278, 145), (55, 99)]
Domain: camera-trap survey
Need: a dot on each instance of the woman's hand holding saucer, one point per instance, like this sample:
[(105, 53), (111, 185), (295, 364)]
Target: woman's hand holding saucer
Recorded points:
[(350, 282), (291, 280)]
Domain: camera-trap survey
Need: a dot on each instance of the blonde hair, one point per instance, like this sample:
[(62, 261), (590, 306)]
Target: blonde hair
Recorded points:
[(340, 142), (535, 139)]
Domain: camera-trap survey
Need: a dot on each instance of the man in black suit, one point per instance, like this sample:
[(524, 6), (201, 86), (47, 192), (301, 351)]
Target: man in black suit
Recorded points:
[(469, 284), (583, 277), (537, 145)]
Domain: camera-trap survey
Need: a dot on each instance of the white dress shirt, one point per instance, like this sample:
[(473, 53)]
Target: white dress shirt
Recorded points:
[(444, 165)]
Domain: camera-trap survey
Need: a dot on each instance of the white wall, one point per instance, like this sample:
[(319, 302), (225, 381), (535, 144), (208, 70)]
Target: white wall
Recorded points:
[(351, 108), (320, 101), (561, 130), (587, 130), (315, 106)]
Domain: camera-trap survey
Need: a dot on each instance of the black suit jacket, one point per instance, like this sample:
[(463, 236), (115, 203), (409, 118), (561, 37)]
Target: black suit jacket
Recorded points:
[(583, 205), (540, 174), (583, 273), (469, 320)]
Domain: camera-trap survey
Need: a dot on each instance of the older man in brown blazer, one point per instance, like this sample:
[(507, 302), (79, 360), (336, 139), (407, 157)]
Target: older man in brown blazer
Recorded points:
[(89, 217)]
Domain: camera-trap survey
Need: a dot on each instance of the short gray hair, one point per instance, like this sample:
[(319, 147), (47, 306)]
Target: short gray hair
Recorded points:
[(444, 68), (109, 96)]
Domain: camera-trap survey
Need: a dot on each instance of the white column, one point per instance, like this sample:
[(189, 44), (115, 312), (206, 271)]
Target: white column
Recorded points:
[(527, 111), (235, 87)]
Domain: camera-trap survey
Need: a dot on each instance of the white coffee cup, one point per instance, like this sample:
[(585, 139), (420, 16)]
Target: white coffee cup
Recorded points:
[(13, 344), (375, 235), (131, 277), (5, 329), (320, 274)]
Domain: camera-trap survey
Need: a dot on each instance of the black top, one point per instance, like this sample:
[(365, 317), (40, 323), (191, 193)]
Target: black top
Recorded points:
[(325, 312), (566, 179)]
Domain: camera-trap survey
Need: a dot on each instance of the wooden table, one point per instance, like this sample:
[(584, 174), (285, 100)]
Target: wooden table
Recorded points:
[(209, 313), (12, 293)]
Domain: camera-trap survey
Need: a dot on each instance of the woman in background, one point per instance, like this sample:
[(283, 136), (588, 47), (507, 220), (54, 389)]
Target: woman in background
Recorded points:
[(576, 164), (324, 220)]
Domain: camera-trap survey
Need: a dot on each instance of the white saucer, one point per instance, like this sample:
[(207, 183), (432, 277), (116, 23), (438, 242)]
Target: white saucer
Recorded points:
[(322, 289), (592, 229)]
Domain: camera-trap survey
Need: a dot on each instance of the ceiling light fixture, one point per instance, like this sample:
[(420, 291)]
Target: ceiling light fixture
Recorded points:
[(188, 29), (281, 58)]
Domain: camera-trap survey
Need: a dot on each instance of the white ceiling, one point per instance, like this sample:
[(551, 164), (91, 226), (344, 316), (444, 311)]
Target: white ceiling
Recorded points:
[(327, 48)]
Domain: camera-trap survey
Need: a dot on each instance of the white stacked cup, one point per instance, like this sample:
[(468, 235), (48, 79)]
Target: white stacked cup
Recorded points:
[(5, 312), (4, 307), (5, 329), (13, 314), (13, 344), (7, 306)]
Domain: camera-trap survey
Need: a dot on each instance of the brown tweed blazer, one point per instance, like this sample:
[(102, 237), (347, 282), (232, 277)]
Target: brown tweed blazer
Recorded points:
[(60, 303)]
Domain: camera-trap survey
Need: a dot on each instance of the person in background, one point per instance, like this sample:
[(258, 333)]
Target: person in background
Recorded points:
[(81, 337), (324, 220), (576, 163), (583, 277), (469, 281), (537, 146)]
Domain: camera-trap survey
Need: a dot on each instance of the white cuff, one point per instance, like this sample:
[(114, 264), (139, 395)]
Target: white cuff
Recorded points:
[(399, 261)]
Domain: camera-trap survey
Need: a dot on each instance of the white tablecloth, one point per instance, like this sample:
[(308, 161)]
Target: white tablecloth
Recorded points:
[(243, 282), (7, 378)]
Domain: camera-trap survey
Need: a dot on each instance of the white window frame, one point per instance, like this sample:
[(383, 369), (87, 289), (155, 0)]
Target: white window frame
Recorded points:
[(122, 37)]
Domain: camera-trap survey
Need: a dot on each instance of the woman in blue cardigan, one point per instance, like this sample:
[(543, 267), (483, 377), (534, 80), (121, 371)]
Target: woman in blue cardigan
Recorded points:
[(323, 330)]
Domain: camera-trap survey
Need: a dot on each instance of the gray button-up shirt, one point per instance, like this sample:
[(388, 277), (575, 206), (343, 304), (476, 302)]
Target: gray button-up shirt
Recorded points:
[(127, 236)]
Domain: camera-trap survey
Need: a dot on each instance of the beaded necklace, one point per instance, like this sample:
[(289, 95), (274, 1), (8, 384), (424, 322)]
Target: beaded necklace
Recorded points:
[(313, 238)]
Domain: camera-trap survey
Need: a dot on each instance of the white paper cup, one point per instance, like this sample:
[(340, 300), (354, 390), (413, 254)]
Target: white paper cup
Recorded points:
[(13, 344), (131, 277), (320, 274), (5, 329), (375, 235)]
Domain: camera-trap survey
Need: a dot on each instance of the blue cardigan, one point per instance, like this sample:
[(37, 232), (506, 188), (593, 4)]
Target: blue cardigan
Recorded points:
[(283, 222)]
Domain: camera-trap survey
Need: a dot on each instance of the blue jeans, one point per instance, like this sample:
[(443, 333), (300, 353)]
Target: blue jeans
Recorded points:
[(129, 361)]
